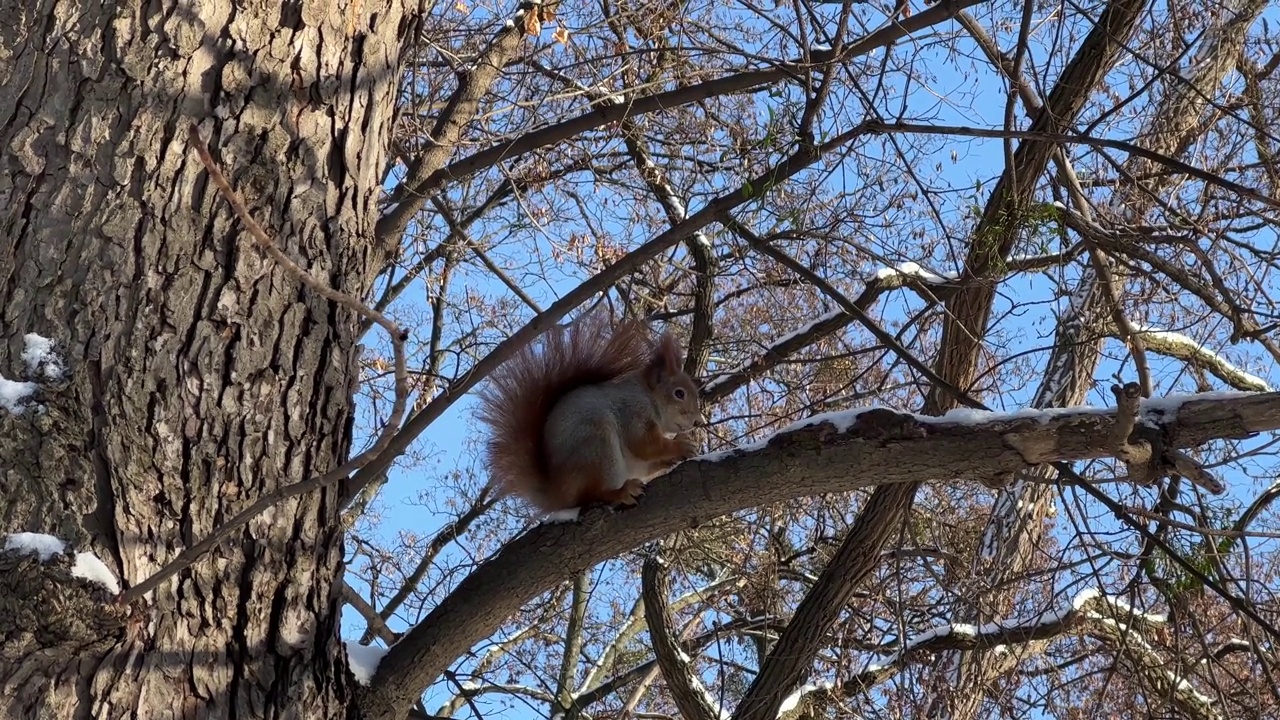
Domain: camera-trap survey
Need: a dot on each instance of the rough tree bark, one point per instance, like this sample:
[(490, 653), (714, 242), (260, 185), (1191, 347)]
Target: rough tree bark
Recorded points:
[(200, 375)]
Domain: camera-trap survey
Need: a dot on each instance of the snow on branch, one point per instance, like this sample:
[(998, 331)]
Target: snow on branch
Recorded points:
[(363, 660), (84, 565), (1107, 618), (904, 273), (791, 703), (881, 281), (1182, 347), (832, 453)]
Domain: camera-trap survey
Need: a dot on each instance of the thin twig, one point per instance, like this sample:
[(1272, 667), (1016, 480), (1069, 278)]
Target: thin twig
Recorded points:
[(1172, 163), (1102, 268), (188, 557), (264, 241), (459, 231), (1164, 520), (850, 307)]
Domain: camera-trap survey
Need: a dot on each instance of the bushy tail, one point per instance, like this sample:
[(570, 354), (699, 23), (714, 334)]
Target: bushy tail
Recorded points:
[(521, 393)]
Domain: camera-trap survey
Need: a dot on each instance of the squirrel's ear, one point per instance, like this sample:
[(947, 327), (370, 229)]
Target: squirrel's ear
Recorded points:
[(665, 362), (669, 350)]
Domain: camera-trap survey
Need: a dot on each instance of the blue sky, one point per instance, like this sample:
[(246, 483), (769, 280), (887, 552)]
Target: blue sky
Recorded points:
[(974, 165)]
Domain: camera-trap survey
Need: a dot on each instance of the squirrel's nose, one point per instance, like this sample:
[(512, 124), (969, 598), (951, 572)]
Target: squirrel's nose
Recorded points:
[(701, 421)]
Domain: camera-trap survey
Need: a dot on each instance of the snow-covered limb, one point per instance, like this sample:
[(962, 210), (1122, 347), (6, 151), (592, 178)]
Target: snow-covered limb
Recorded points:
[(825, 324), (1107, 618), (792, 701), (1182, 347), (1048, 623), (1151, 412), (562, 516), (833, 454), (903, 273), (1149, 668), (470, 689), (880, 281)]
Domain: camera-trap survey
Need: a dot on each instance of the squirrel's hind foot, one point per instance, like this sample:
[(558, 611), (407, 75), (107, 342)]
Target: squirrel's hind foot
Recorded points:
[(630, 492), (625, 496)]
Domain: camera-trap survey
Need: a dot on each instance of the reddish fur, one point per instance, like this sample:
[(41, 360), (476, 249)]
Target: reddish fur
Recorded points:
[(522, 392), (664, 357), (655, 446)]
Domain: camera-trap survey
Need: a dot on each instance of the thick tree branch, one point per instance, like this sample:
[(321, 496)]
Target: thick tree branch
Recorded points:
[(408, 197), (827, 454), (857, 556), (677, 668), (1105, 618), (572, 640)]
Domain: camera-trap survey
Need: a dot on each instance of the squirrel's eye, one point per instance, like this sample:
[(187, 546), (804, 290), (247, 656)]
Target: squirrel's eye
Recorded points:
[(679, 393)]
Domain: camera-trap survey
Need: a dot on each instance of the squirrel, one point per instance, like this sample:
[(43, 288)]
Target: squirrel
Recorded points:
[(588, 415)]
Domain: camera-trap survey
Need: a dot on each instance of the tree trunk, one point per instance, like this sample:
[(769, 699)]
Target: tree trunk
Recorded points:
[(199, 374)]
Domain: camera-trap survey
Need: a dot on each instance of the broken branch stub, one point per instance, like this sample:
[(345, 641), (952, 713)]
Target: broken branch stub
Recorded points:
[(1134, 453), (1145, 466)]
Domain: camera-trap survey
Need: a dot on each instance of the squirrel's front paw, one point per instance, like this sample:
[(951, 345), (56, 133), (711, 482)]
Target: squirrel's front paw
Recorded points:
[(689, 445)]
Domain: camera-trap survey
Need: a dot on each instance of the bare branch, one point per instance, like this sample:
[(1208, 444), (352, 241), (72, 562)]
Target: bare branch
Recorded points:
[(1051, 137), (1109, 619), (447, 534), (473, 84), (747, 80), (677, 668), (834, 453), (376, 625)]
